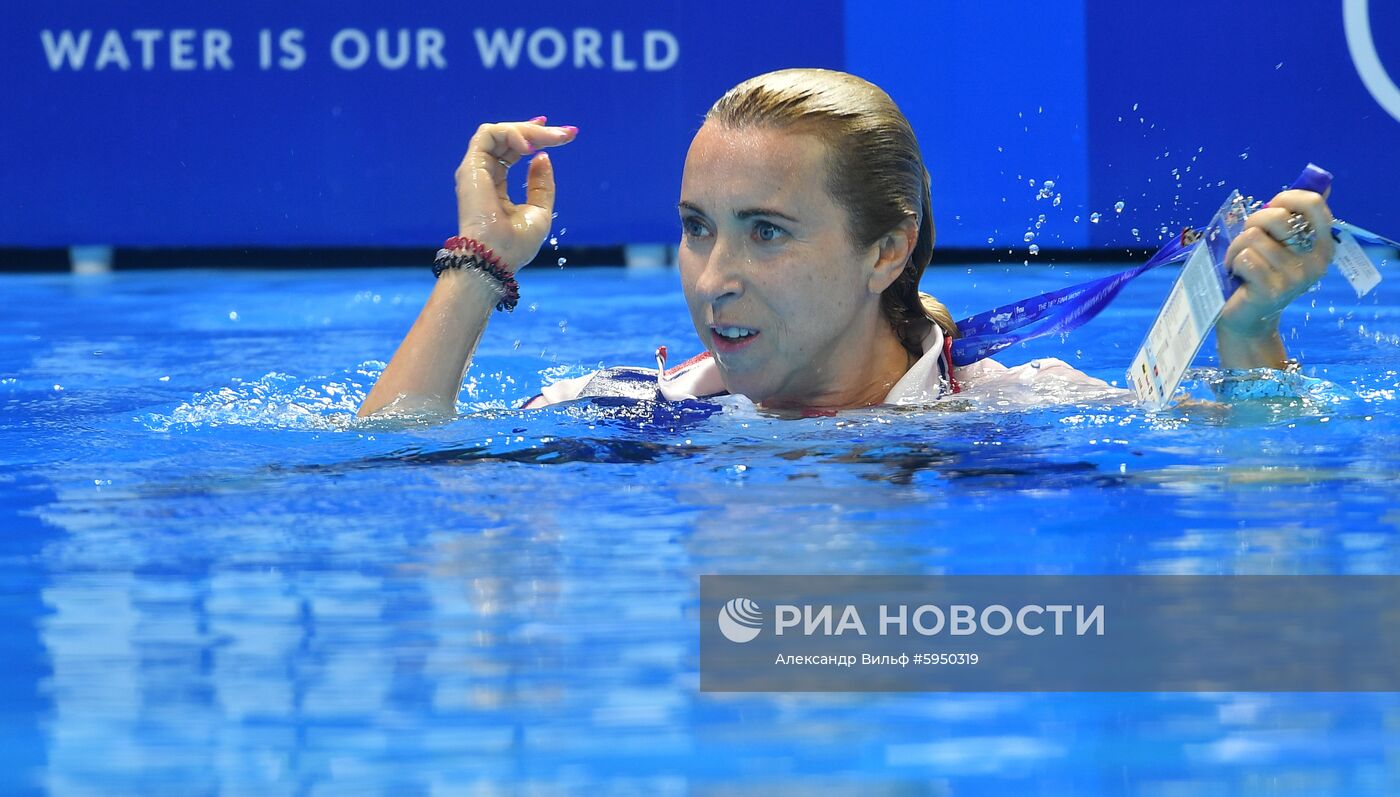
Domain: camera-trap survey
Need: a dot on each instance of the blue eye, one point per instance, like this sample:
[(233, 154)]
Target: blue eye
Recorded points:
[(692, 227), (767, 231)]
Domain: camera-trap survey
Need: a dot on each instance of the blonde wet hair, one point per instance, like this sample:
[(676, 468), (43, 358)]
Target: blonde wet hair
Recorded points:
[(877, 173)]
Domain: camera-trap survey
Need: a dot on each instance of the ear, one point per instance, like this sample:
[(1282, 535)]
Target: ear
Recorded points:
[(891, 253)]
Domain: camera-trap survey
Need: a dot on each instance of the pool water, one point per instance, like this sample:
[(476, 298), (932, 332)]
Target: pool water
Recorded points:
[(214, 581)]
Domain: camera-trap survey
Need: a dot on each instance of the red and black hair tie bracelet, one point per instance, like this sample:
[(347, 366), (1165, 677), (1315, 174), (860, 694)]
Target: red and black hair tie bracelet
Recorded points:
[(459, 252)]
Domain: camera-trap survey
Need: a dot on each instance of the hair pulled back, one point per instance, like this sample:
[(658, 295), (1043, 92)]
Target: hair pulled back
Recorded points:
[(876, 171)]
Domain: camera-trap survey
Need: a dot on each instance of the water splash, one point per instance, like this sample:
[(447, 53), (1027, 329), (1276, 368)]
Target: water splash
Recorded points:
[(274, 401)]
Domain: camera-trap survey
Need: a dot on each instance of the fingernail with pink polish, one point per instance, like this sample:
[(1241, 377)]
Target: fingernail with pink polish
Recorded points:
[(539, 120), (570, 129)]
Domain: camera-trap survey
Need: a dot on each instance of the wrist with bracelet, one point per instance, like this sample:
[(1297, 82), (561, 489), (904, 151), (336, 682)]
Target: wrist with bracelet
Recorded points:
[(460, 252)]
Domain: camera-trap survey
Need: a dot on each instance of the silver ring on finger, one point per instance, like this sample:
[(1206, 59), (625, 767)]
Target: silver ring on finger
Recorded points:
[(1302, 238)]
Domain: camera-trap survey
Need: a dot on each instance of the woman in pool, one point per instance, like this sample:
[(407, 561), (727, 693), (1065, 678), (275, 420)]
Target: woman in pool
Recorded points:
[(806, 228)]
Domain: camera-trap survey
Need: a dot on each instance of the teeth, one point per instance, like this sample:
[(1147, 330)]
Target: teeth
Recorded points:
[(734, 333)]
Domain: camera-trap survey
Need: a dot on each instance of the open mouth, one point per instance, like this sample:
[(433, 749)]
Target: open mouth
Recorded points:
[(730, 338)]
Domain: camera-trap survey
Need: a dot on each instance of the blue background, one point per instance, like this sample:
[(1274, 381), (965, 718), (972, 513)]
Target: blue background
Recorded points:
[(1000, 94)]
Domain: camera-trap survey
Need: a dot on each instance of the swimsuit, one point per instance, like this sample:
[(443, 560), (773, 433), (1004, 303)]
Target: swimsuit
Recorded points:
[(928, 380)]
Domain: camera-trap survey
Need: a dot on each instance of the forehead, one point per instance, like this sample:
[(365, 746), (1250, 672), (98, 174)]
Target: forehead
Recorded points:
[(754, 167)]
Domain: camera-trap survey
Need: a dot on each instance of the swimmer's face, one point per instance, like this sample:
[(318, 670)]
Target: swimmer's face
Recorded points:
[(777, 290)]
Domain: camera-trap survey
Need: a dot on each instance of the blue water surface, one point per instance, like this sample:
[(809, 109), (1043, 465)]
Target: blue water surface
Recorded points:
[(213, 580)]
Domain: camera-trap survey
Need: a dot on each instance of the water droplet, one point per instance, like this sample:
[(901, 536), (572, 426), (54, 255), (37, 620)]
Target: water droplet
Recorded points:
[(1056, 203), (1136, 233), (1094, 217), (554, 242), (1030, 236), (564, 326), (562, 261), (1033, 249), (1032, 182), (1135, 106), (1050, 184), (991, 239), (1076, 219), (1244, 156), (534, 306), (1118, 206), (233, 315), (1164, 229)]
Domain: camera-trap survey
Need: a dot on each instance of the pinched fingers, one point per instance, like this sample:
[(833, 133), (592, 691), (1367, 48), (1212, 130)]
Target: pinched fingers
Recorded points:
[(485, 211), (502, 144), (539, 185)]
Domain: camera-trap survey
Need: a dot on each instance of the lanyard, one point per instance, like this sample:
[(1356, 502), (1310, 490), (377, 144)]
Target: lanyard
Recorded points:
[(1060, 311)]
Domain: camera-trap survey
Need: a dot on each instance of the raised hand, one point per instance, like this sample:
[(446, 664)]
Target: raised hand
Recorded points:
[(485, 211), (1273, 258)]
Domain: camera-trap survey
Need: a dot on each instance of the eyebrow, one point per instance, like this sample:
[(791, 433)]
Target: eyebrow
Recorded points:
[(746, 213)]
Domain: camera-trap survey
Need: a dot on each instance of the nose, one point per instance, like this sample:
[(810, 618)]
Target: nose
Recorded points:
[(720, 280)]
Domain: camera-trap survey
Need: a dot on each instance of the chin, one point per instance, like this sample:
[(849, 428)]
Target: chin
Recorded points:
[(745, 384)]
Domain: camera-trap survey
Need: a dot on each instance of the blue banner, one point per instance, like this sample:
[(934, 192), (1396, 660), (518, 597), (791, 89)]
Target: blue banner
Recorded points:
[(1084, 124), (170, 123)]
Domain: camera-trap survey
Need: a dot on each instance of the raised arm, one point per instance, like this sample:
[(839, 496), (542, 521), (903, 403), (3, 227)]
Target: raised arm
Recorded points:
[(426, 371), (1273, 258)]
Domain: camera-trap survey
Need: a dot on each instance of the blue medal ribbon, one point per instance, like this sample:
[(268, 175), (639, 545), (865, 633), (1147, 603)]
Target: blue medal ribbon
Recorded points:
[(1061, 311)]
